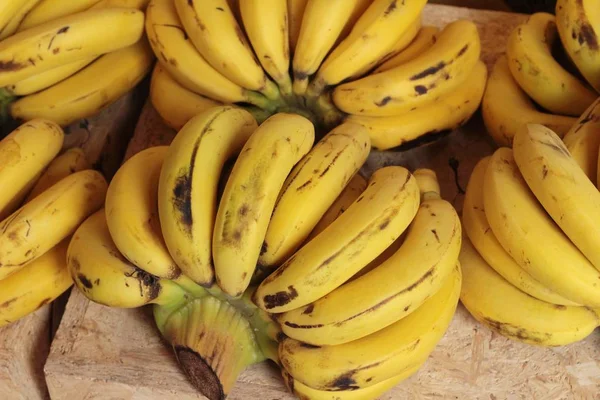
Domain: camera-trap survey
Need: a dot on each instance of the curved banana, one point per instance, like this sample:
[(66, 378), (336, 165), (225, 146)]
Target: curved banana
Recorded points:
[(68, 40), (250, 195), (174, 103), (438, 71), (187, 188), (505, 309), (426, 37), (370, 225), (8, 27), (561, 186), (310, 189), (91, 89), (295, 15), (478, 229), (50, 10), (529, 51), (389, 352), (505, 107), (531, 237), (447, 112), (104, 276), (578, 24), (583, 140), (138, 4), (36, 285), (25, 153)]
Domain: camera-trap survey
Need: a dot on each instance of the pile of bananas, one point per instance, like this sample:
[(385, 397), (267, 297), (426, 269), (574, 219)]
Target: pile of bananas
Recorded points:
[(254, 242), (367, 61), (45, 196), (531, 264), (550, 74), (67, 60)]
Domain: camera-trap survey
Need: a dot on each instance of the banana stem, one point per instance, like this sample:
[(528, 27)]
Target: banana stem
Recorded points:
[(169, 293), (6, 98), (260, 101), (428, 184)]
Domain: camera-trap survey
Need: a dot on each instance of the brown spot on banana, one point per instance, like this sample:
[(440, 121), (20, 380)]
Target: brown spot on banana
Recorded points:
[(84, 281), (384, 101), (390, 9), (6, 66), (345, 382), (429, 71), (587, 36), (309, 309), (516, 332), (7, 303), (280, 298)]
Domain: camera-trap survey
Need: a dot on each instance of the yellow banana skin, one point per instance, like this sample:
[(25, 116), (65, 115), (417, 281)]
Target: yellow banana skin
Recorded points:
[(312, 186), (250, 195), (561, 186), (8, 10), (10, 27), (104, 276), (25, 153), (36, 285), (295, 14), (67, 40), (50, 10), (138, 4), (505, 107), (451, 111), (392, 351), (426, 37), (583, 140), (578, 24), (505, 309), (189, 178), (403, 42), (531, 63), (521, 224), (478, 229), (370, 225)]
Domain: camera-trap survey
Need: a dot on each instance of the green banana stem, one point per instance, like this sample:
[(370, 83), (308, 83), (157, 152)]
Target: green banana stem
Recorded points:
[(6, 98)]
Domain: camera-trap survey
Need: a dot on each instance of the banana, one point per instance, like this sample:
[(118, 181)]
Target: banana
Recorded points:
[(505, 107), (389, 352), (104, 276), (91, 89), (578, 24), (187, 188), (531, 237), (18, 199), (25, 153), (583, 140), (529, 52), (370, 225), (359, 9), (266, 23), (9, 9), (447, 112), (561, 186), (36, 285), (250, 194), (67, 40), (173, 102), (438, 71), (24, 235), (10, 27), (138, 4), (50, 10), (295, 15), (310, 189), (505, 309), (426, 37), (392, 290), (481, 236)]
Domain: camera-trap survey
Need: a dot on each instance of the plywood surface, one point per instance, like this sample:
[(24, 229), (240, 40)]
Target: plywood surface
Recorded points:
[(102, 353)]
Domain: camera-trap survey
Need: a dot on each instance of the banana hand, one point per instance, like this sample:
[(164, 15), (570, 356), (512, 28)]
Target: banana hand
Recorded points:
[(583, 140)]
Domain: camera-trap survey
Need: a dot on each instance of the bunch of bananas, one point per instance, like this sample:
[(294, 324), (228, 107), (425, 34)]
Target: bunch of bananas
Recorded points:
[(367, 61), (530, 264), (550, 74), (45, 196), (254, 242), (66, 60)]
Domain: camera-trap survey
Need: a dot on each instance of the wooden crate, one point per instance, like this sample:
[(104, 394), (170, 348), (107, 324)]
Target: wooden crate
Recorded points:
[(104, 353)]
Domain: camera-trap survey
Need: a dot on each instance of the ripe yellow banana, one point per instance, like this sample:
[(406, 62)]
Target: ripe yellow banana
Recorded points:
[(380, 356), (370, 225), (418, 83), (447, 112), (505, 309), (36, 285), (91, 89), (138, 4), (295, 15), (18, 199), (104, 276), (359, 9), (374, 34), (310, 189), (9, 9), (531, 237), (578, 24), (583, 140), (50, 10), (67, 40), (250, 194), (481, 236), (529, 51), (505, 107), (10, 27), (426, 37), (25, 153)]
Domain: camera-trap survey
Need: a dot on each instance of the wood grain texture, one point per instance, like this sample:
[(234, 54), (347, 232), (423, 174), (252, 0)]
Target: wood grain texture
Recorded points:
[(104, 353)]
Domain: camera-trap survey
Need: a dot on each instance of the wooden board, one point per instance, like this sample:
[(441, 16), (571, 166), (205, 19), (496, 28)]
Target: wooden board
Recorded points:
[(104, 353)]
